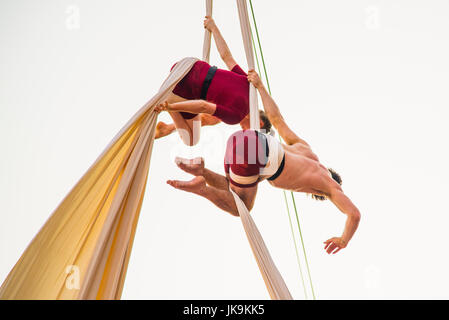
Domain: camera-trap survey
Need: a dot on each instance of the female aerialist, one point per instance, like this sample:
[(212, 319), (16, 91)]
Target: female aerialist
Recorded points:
[(207, 96)]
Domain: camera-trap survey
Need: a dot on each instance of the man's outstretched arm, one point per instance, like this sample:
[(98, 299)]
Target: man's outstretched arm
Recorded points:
[(346, 206)]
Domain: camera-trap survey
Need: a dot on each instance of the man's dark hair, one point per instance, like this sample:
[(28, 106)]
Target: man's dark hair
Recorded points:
[(336, 177), (266, 122)]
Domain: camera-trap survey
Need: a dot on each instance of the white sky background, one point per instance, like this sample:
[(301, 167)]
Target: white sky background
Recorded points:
[(364, 82)]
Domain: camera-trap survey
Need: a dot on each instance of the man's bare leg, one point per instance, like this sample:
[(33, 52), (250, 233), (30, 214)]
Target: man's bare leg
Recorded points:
[(196, 167), (197, 185), (221, 198)]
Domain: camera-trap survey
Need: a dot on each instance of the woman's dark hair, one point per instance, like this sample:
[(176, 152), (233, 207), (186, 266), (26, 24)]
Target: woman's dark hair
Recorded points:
[(336, 177), (266, 122)]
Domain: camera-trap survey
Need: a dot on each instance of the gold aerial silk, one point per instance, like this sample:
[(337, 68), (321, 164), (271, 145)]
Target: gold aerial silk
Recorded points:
[(82, 251)]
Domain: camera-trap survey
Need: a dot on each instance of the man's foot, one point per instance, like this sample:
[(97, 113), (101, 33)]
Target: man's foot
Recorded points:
[(163, 129), (193, 166), (196, 185)]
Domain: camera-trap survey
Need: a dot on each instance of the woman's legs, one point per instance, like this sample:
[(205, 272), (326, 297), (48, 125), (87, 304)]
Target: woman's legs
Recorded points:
[(163, 129), (188, 129)]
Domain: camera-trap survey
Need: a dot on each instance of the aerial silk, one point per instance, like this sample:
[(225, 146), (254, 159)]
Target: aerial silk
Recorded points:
[(273, 280), (88, 238), (83, 250)]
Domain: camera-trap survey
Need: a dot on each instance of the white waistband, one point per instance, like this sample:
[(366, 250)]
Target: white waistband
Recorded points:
[(275, 156)]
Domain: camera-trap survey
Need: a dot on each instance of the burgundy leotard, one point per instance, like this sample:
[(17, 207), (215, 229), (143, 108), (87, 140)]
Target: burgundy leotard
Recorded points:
[(229, 90)]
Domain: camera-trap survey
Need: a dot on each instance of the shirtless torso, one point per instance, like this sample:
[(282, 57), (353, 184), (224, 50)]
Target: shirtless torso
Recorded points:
[(303, 172)]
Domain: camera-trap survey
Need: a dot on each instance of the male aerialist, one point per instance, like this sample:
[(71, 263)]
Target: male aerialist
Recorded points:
[(252, 157)]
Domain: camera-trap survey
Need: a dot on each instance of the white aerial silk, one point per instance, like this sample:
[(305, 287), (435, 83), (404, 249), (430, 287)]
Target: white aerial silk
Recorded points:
[(270, 274), (246, 35)]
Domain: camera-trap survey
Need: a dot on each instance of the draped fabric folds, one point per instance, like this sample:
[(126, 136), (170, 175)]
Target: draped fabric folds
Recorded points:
[(207, 34), (273, 280), (277, 289), (247, 44), (83, 249)]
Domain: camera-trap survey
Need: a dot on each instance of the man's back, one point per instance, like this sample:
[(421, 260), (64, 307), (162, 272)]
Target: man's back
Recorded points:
[(303, 172)]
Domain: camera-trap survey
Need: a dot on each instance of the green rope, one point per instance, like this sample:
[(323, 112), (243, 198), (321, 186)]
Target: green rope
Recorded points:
[(285, 195), (303, 247), (296, 247), (260, 47), (293, 198)]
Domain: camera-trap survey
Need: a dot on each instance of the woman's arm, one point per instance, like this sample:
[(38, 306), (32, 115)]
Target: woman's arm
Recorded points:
[(222, 47), (191, 106)]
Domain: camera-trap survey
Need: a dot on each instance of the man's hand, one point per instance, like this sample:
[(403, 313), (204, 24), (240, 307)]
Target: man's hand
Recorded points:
[(254, 78), (333, 245), (165, 106), (209, 24)]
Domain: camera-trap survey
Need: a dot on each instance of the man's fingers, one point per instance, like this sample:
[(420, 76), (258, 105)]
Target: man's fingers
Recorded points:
[(338, 249), (331, 248)]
